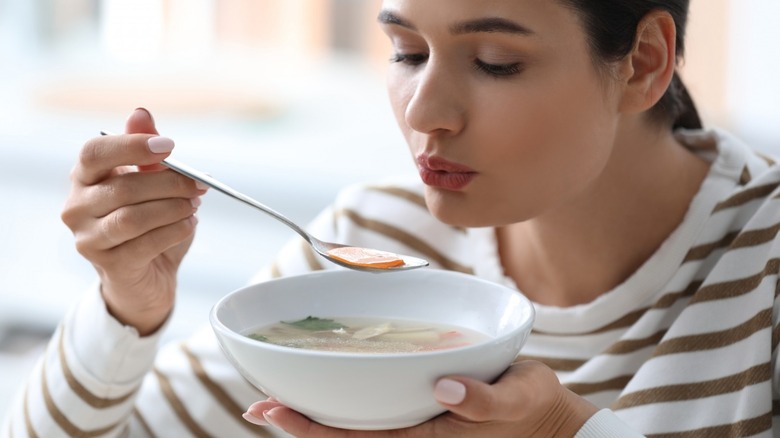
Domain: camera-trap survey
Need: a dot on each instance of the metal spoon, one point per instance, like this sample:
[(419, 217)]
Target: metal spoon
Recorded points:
[(321, 247)]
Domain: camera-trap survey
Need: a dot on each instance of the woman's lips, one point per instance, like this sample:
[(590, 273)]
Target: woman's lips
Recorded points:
[(438, 172)]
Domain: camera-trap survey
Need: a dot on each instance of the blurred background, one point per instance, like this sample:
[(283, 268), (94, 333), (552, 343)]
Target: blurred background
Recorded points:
[(282, 99)]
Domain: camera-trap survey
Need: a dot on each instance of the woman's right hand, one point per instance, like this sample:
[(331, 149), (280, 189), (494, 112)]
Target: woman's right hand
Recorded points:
[(133, 220)]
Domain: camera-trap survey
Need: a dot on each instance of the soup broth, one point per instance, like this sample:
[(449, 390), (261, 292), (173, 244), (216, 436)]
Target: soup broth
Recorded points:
[(366, 335)]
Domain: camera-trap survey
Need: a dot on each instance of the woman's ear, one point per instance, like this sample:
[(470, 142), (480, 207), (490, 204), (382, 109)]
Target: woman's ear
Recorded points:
[(648, 70)]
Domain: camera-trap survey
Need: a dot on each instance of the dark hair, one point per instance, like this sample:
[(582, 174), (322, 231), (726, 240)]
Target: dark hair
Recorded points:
[(611, 26)]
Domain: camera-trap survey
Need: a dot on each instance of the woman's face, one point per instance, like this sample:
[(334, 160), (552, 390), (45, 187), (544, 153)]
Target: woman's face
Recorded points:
[(501, 105)]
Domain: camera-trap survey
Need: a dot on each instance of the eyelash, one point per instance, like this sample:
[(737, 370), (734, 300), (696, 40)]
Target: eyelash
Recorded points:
[(495, 70), (498, 70)]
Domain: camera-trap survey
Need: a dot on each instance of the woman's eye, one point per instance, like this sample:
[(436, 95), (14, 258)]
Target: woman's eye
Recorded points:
[(498, 69), (410, 58)]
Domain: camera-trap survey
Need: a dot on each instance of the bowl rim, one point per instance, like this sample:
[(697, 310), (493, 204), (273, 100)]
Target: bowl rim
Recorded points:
[(219, 326)]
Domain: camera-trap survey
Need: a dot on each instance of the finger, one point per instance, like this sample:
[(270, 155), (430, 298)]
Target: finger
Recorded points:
[(300, 426), (141, 121), (297, 425), (132, 221), (254, 414), (101, 155), (505, 400), (133, 188), (139, 252), (257, 408)]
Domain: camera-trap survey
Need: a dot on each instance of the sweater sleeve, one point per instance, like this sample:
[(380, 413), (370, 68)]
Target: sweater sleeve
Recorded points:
[(86, 382), (605, 424), (98, 378)]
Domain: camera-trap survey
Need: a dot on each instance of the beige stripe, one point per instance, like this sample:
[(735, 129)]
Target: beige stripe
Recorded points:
[(311, 257), (745, 177), (734, 240), (666, 301), (626, 321), (775, 337), (692, 391), (555, 363), (27, 421), (755, 237), (746, 196), (769, 160), (275, 272), (713, 340), (735, 288), (405, 238), (631, 345), (83, 393), (407, 195), (177, 405), (749, 427), (702, 251), (219, 393), (669, 299), (615, 384), (412, 197), (142, 421), (60, 418)]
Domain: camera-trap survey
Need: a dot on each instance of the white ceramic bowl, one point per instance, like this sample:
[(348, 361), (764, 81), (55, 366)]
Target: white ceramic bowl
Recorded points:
[(370, 391)]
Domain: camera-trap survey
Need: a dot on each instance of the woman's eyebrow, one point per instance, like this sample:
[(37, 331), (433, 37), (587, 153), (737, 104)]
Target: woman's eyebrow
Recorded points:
[(387, 17), (488, 24)]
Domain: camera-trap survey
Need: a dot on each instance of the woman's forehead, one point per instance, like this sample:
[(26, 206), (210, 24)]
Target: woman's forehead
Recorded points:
[(546, 20)]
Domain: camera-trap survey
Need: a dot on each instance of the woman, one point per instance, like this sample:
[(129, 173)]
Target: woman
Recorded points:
[(560, 154)]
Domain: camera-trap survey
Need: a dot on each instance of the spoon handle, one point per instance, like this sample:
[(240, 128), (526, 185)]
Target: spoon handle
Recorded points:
[(226, 189)]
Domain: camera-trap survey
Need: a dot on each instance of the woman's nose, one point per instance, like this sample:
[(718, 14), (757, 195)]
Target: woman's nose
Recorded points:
[(437, 101)]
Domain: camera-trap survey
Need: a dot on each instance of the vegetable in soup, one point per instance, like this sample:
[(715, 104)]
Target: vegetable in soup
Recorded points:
[(366, 335)]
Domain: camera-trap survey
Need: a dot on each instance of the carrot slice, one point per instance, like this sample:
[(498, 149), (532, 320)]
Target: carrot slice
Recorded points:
[(371, 258)]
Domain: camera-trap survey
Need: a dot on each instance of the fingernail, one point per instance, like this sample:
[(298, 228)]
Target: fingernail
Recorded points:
[(201, 186), (160, 145), (196, 202), (254, 420), (194, 220), (450, 392)]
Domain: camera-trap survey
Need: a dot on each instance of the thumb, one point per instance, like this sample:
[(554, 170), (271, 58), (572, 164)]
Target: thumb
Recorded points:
[(140, 122), (523, 386)]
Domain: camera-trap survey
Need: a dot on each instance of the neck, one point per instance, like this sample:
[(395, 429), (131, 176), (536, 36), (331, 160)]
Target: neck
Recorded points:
[(576, 252)]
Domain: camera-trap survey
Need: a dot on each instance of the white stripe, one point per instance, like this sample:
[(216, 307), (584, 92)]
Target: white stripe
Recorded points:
[(712, 411)]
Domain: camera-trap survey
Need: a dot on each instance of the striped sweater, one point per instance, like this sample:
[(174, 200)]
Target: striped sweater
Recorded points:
[(685, 347)]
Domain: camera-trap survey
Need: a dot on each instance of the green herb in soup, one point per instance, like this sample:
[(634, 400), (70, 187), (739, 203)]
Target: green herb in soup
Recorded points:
[(365, 335)]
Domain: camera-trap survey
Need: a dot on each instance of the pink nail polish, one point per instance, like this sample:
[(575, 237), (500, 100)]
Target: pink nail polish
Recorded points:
[(254, 420), (160, 145), (450, 392)]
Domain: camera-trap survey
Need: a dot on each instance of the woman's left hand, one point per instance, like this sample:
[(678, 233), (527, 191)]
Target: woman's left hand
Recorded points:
[(526, 401)]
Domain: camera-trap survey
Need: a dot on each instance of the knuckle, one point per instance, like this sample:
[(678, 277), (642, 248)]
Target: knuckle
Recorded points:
[(115, 224), (68, 216), (485, 411), (181, 184), (120, 190), (91, 153)]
